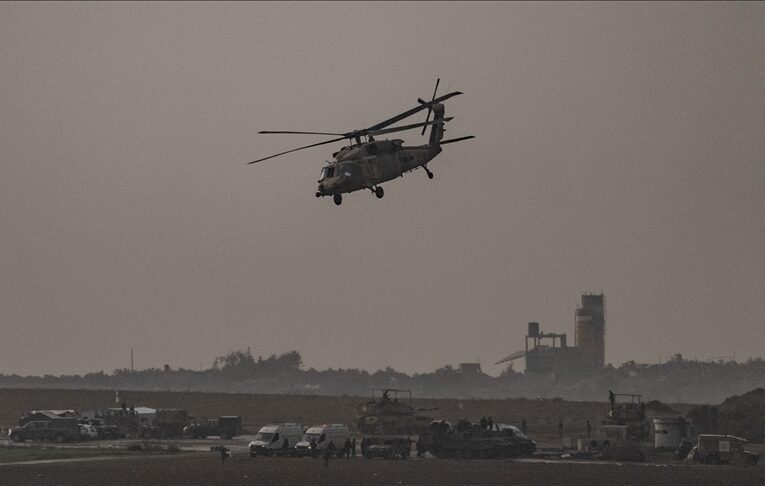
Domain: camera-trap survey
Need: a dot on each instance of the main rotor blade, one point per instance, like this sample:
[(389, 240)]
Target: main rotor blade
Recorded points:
[(300, 148), (431, 108), (408, 127), (302, 133), (444, 142), (411, 112)]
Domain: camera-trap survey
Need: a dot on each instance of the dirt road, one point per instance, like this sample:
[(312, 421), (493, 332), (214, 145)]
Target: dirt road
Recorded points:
[(206, 469)]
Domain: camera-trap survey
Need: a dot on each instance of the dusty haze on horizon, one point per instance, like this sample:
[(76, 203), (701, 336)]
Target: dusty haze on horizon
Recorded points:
[(619, 149)]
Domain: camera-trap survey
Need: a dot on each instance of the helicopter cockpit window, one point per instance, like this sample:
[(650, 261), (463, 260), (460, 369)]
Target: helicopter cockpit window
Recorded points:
[(347, 170), (327, 172)]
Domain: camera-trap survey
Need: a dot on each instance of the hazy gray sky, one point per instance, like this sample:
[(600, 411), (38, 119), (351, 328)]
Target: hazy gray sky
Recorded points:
[(619, 149)]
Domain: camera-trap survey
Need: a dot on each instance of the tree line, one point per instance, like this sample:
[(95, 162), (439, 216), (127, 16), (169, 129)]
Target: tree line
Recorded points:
[(677, 381)]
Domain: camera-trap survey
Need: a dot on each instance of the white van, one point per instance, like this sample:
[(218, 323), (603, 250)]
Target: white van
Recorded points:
[(276, 439), (323, 435)]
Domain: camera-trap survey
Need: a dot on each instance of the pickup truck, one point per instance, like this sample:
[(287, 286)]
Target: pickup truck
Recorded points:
[(59, 430), (722, 449)]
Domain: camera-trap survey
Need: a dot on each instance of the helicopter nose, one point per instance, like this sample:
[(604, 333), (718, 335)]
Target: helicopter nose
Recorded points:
[(323, 189)]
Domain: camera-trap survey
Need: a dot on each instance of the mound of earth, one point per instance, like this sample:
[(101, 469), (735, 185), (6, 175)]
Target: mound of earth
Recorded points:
[(744, 415), (747, 403), (656, 409), (706, 418)]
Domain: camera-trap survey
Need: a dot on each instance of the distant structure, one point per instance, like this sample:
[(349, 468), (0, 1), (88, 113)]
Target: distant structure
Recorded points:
[(470, 368), (590, 331), (549, 353)]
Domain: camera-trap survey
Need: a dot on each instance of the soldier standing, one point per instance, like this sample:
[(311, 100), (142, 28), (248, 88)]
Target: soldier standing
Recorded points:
[(353, 447), (224, 453), (328, 452), (523, 425), (589, 428), (560, 428), (347, 447)]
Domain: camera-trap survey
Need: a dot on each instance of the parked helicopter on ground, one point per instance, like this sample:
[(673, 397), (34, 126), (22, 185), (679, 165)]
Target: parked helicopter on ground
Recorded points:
[(366, 165)]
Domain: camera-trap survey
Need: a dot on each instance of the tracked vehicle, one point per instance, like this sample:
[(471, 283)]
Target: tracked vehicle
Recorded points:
[(390, 412), (472, 441)]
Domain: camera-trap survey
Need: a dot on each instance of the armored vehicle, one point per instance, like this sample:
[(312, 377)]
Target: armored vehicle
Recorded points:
[(468, 440), (390, 412), (387, 447), (223, 427)]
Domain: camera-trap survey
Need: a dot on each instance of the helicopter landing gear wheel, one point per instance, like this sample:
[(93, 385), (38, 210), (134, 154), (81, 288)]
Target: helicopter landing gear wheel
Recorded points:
[(430, 174), (338, 198), (379, 192)]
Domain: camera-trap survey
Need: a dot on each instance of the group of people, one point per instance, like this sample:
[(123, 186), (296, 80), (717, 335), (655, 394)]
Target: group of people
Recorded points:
[(487, 423), (350, 448)]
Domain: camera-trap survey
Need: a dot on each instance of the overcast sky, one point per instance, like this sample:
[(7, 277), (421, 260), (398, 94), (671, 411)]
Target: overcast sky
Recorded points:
[(619, 148)]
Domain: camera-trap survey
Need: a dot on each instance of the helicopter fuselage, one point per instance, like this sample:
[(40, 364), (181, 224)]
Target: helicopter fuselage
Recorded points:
[(366, 165)]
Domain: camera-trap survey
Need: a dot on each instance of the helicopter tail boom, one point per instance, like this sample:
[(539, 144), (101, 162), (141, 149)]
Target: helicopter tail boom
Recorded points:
[(437, 130)]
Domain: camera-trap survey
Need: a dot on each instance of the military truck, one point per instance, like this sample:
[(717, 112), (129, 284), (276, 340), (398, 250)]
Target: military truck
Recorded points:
[(468, 440), (55, 429), (224, 427), (390, 412), (148, 423)]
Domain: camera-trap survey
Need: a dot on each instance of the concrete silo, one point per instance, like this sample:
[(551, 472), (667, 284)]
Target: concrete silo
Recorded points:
[(590, 331)]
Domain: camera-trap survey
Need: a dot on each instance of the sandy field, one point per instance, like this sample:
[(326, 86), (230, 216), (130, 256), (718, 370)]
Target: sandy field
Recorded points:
[(206, 469)]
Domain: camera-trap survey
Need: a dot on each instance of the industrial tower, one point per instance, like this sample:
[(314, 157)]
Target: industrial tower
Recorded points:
[(590, 331)]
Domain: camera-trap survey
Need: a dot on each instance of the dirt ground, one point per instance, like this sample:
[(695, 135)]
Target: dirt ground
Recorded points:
[(206, 469)]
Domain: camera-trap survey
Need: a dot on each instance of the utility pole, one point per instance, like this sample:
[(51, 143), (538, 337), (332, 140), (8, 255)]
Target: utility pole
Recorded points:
[(131, 362)]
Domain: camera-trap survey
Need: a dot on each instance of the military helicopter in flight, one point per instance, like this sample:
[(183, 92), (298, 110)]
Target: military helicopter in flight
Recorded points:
[(367, 164)]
